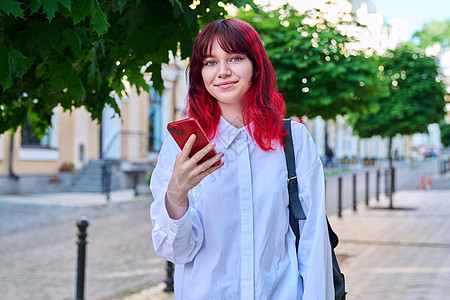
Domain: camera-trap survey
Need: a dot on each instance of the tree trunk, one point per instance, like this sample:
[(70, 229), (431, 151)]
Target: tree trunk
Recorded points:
[(11, 158), (326, 137), (391, 173)]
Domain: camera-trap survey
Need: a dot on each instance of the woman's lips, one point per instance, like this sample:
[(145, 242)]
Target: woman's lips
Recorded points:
[(225, 84)]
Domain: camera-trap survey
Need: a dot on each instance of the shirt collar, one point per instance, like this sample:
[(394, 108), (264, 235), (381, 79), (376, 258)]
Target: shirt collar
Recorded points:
[(226, 133)]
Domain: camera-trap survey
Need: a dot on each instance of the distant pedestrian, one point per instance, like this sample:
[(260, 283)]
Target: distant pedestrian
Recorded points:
[(329, 157), (226, 227)]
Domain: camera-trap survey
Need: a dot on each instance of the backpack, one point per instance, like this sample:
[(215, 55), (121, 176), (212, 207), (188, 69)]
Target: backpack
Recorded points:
[(296, 212)]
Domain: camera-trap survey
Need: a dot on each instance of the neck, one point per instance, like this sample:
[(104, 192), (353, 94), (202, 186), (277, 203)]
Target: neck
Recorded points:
[(233, 115)]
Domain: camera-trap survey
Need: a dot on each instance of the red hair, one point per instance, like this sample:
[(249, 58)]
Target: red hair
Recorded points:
[(264, 105)]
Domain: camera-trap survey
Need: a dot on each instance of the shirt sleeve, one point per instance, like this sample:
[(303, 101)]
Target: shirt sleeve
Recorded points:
[(314, 252), (177, 241)]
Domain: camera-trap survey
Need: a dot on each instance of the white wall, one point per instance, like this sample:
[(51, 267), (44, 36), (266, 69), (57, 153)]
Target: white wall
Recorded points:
[(111, 139), (2, 146)]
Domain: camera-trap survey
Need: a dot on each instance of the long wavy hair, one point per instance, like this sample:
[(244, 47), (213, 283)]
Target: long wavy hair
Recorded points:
[(264, 106)]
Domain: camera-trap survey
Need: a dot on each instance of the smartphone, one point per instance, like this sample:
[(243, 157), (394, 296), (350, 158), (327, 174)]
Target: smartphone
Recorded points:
[(181, 131)]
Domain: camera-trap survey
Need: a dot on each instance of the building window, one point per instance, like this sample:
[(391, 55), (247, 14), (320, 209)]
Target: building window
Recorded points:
[(40, 149), (29, 139), (155, 139)]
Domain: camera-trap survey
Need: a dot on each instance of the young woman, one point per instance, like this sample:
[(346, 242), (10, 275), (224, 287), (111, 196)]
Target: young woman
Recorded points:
[(226, 227)]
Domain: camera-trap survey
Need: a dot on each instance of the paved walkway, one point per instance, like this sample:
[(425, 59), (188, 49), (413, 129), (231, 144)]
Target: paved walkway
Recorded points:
[(402, 253), (38, 249), (72, 199)]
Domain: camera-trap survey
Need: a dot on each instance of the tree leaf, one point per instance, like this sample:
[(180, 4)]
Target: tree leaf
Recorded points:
[(73, 41), (5, 73), (16, 63), (157, 80), (49, 7), (98, 18), (11, 66), (121, 4), (180, 6), (63, 78), (80, 10), (12, 7)]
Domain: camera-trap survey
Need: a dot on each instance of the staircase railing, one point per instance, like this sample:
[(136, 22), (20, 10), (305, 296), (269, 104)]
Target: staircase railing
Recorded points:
[(134, 148)]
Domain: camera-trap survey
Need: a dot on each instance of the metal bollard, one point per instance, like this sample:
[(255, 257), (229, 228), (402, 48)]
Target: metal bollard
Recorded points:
[(393, 180), (340, 197), (106, 180), (169, 280), (135, 181), (387, 189), (354, 192), (378, 185), (367, 188), (82, 224)]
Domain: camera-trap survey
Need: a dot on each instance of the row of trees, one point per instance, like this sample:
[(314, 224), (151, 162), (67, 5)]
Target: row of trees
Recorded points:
[(431, 34), (399, 92)]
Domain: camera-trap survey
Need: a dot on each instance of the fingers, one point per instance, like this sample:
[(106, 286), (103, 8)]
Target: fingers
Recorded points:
[(210, 170), (187, 173), (210, 162), (200, 154), (188, 146)]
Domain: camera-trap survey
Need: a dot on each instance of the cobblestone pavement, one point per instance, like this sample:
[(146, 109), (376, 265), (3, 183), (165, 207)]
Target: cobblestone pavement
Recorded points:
[(38, 246), (401, 253)]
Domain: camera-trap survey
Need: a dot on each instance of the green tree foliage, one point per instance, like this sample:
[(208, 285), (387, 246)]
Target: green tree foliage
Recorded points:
[(316, 71), (76, 52), (416, 98), (445, 133), (434, 32)]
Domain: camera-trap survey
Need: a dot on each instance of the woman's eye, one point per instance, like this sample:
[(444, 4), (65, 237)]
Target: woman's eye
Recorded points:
[(237, 58), (210, 63)]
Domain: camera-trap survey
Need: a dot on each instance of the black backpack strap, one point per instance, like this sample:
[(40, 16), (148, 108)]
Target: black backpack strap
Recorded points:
[(296, 212), (334, 240), (295, 208)]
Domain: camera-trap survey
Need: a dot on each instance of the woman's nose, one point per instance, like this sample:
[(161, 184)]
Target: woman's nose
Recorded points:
[(224, 70)]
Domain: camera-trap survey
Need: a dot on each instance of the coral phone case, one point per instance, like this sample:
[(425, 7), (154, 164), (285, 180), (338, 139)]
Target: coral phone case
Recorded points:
[(181, 131)]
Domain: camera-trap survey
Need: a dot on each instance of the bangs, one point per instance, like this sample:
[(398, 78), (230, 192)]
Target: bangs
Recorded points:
[(230, 39)]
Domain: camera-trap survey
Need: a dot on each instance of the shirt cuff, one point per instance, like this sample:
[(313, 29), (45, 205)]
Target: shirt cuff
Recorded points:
[(178, 228)]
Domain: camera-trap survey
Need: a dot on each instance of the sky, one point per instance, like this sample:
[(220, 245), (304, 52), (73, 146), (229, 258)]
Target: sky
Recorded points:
[(417, 12)]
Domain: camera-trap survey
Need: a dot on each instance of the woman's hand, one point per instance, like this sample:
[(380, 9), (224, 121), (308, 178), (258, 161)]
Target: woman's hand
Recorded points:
[(186, 175)]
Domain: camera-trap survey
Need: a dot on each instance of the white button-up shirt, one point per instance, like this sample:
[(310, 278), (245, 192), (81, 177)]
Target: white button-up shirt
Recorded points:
[(235, 242)]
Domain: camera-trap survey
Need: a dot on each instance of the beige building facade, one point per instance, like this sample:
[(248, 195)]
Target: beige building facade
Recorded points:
[(74, 141)]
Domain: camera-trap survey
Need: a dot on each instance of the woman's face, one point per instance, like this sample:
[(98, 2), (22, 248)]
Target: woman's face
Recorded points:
[(227, 76)]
